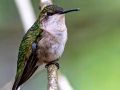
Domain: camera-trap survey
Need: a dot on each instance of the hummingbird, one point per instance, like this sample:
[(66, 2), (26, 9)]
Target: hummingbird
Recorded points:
[(43, 43)]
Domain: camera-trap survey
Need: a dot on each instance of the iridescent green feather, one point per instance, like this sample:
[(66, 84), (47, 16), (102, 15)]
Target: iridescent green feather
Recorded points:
[(25, 48)]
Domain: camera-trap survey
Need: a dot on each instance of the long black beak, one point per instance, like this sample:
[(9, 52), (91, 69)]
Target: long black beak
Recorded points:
[(71, 10)]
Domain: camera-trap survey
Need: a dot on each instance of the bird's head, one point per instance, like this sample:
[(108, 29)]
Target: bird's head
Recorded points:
[(52, 13), (52, 10)]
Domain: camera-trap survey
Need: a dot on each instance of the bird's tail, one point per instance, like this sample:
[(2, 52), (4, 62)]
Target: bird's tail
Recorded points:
[(15, 87), (9, 85)]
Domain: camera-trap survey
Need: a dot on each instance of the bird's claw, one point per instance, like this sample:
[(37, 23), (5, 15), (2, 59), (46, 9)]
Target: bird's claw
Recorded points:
[(53, 62)]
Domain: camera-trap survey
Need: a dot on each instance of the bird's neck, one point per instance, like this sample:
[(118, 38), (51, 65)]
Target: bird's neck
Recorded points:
[(55, 27), (54, 24)]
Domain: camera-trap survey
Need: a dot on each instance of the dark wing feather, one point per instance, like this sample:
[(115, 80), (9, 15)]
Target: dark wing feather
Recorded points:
[(29, 69), (26, 57)]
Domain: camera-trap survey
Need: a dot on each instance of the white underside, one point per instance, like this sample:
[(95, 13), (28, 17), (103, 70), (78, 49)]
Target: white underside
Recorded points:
[(54, 38)]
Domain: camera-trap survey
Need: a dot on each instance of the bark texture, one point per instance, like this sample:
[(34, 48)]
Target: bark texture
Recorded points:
[(52, 71)]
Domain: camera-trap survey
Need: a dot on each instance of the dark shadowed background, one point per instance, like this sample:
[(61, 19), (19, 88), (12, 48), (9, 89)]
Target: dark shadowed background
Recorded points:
[(91, 60)]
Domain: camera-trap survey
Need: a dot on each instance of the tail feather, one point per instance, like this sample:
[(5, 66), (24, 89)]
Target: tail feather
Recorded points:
[(15, 87), (9, 85)]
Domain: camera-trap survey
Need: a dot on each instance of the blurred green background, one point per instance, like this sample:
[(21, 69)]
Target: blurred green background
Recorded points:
[(91, 60)]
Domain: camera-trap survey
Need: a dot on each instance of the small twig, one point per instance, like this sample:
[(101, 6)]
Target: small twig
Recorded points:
[(52, 71)]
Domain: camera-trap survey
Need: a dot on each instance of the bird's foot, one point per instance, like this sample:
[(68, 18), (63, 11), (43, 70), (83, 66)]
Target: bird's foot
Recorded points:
[(53, 62)]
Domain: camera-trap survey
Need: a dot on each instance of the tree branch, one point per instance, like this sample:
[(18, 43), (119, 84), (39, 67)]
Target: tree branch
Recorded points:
[(52, 77)]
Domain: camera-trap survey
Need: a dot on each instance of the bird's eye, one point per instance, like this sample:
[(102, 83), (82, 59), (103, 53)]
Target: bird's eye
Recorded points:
[(49, 13)]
